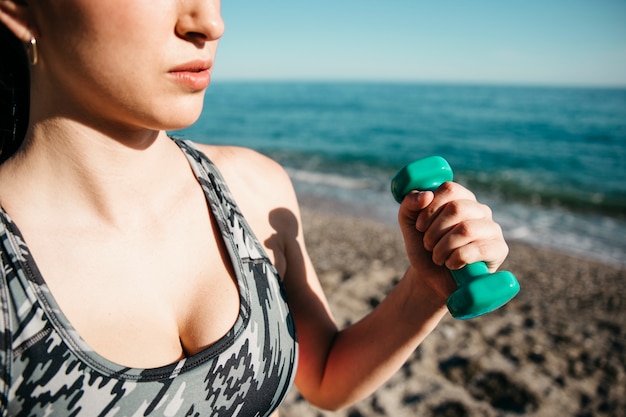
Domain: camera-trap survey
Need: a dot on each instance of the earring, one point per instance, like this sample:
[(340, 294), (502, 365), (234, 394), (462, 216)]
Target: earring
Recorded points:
[(31, 47)]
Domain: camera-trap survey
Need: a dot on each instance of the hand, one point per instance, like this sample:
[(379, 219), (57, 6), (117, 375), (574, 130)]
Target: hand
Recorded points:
[(448, 228)]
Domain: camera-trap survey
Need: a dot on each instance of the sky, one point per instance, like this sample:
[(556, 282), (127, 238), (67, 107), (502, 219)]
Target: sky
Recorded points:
[(531, 42)]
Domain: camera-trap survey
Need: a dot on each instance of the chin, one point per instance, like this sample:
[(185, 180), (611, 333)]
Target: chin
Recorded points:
[(178, 124), (180, 117)]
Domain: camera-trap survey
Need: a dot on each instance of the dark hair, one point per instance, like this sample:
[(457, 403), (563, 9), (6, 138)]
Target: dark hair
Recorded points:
[(14, 93)]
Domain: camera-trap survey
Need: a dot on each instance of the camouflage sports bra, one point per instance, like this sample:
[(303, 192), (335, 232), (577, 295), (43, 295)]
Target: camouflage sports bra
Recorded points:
[(46, 369)]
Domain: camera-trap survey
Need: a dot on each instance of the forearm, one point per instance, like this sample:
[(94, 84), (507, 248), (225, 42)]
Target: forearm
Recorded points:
[(365, 355)]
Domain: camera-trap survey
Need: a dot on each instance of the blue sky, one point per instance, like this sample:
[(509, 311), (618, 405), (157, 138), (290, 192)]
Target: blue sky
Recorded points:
[(559, 42)]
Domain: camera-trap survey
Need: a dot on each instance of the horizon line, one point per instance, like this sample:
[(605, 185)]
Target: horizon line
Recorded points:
[(468, 82)]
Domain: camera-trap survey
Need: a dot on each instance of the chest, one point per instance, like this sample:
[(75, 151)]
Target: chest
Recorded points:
[(145, 299), (189, 306), (255, 358)]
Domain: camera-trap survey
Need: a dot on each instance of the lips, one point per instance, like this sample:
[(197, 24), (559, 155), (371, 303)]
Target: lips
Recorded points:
[(195, 75)]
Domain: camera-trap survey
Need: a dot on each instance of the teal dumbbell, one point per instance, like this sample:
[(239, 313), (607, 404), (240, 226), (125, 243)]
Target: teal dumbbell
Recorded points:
[(479, 291)]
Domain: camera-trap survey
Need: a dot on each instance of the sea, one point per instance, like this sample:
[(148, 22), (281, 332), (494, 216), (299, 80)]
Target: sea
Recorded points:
[(550, 161)]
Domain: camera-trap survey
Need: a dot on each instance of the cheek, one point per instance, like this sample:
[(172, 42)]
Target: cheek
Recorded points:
[(115, 66), (90, 29)]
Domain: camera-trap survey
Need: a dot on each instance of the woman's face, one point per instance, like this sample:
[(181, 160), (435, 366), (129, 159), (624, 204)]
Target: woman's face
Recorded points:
[(138, 63)]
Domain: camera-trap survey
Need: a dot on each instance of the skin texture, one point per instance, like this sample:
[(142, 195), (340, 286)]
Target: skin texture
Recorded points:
[(96, 138)]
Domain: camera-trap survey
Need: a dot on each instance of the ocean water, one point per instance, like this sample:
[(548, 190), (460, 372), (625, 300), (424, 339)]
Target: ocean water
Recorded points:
[(551, 162)]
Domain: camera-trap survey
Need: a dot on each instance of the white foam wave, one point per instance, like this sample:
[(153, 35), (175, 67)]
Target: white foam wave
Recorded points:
[(333, 180), (587, 236)]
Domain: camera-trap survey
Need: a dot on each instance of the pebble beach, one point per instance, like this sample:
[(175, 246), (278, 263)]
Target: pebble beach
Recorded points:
[(557, 349)]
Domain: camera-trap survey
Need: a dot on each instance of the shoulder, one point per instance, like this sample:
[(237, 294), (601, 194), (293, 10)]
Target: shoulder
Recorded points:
[(246, 170), (260, 185), (234, 157)]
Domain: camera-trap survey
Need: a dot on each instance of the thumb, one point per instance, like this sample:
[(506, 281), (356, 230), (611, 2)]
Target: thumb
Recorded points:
[(412, 204)]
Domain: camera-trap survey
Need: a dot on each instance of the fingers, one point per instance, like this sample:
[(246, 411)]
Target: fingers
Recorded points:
[(458, 230), (448, 192), (471, 241), (453, 215), (492, 252)]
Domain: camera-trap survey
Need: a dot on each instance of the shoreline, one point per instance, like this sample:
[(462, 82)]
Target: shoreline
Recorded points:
[(558, 348), (385, 213)]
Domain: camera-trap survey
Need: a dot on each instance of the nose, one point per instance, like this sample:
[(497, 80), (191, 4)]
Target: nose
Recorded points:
[(200, 21)]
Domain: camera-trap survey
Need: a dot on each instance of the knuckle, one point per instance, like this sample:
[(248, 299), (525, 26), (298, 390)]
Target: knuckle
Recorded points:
[(446, 188), (464, 229), (487, 210), (453, 208), (453, 188), (492, 230), (500, 235), (464, 255)]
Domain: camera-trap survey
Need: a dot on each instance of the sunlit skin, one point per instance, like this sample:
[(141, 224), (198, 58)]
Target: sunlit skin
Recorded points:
[(104, 90), (115, 60)]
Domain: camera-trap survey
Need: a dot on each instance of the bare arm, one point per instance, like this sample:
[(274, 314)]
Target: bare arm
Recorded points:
[(339, 367)]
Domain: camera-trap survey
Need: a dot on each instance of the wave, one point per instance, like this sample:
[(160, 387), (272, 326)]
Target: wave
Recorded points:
[(565, 196), (334, 180), (527, 188), (585, 233)]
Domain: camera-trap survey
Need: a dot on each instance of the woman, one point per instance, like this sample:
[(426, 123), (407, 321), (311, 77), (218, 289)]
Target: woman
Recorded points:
[(132, 285)]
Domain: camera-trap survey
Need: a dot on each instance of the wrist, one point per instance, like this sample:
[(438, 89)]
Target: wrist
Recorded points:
[(423, 296)]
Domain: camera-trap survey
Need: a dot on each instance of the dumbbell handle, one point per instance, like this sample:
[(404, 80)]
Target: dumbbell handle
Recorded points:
[(479, 292)]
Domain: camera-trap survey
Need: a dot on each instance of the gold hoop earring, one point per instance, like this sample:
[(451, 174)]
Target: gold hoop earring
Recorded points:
[(31, 47)]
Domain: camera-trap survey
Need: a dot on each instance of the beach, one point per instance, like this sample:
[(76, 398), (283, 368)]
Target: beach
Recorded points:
[(557, 349)]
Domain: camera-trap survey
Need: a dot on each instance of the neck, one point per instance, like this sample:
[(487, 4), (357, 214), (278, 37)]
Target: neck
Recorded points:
[(115, 177)]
